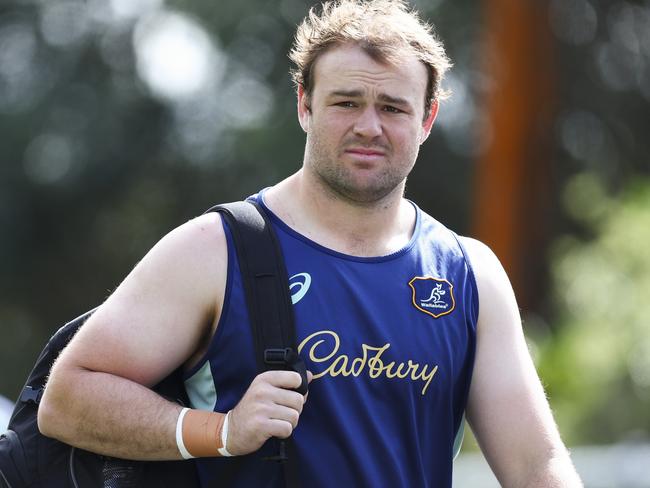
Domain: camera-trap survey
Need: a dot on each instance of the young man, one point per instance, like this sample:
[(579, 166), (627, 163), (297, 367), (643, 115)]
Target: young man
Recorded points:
[(404, 325)]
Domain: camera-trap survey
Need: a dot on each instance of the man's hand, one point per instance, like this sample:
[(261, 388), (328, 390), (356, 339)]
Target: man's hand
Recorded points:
[(269, 408)]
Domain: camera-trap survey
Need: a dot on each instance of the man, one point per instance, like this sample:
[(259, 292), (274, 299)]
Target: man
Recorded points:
[(386, 302)]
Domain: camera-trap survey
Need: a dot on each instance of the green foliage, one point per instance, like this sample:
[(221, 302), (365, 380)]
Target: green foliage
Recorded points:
[(597, 367)]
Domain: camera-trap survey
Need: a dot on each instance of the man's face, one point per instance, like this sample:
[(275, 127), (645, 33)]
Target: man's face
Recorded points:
[(364, 122)]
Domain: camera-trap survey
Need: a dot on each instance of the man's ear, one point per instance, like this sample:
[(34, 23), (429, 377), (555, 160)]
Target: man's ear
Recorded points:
[(428, 122), (304, 109)]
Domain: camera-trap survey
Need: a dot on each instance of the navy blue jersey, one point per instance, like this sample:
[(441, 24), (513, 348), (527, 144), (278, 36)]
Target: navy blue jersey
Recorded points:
[(391, 343)]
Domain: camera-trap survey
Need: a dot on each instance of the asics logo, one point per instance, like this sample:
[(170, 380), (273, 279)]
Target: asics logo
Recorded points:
[(298, 286)]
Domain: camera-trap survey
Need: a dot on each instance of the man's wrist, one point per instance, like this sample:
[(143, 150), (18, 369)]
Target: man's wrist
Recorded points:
[(224, 436), (200, 433)]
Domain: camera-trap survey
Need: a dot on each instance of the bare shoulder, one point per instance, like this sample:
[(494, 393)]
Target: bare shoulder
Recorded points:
[(486, 265), (475, 247), (198, 242), (163, 311), (498, 309)]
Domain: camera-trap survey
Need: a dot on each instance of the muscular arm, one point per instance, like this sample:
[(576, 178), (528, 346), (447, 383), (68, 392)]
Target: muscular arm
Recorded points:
[(97, 396), (507, 407)]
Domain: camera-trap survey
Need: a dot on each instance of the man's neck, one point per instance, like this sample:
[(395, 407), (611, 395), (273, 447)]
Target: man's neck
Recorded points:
[(368, 229)]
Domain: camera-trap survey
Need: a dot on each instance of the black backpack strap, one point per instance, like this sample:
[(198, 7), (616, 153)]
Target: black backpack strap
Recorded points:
[(266, 287)]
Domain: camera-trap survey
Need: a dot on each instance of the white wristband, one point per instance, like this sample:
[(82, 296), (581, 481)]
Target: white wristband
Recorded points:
[(224, 437), (179, 436)]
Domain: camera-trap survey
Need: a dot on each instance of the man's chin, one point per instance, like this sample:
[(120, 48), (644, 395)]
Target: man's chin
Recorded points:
[(366, 195)]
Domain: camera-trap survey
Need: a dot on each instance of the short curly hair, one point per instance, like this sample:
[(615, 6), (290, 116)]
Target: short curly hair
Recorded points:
[(386, 29)]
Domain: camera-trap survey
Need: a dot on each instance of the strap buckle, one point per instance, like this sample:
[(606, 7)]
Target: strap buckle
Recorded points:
[(31, 395), (288, 359), (279, 357)]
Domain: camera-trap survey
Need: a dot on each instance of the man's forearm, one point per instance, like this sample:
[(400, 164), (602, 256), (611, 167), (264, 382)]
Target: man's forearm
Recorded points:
[(109, 415)]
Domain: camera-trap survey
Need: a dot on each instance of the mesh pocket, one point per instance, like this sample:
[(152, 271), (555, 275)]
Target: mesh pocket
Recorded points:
[(119, 473)]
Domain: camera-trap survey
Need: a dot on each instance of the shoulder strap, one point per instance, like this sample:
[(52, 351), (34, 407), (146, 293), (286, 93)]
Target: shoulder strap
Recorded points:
[(266, 287)]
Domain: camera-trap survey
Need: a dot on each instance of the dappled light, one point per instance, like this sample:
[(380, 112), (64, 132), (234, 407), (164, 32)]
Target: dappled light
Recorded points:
[(175, 56), (585, 138), (624, 58), (49, 158), (120, 119), (20, 78), (127, 10), (64, 24), (573, 21), (464, 125)]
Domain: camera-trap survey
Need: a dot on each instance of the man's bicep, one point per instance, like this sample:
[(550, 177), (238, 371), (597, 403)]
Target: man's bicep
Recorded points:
[(156, 318), (507, 408)]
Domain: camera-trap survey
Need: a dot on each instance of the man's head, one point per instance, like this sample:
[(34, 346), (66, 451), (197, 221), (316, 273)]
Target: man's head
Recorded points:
[(385, 29)]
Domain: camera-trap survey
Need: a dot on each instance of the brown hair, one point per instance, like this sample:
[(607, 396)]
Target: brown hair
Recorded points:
[(385, 29)]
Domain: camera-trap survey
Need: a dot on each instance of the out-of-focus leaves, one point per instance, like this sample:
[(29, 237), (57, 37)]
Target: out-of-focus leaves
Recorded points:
[(597, 367)]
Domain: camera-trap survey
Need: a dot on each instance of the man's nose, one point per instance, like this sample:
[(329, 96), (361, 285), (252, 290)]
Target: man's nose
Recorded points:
[(368, 124)]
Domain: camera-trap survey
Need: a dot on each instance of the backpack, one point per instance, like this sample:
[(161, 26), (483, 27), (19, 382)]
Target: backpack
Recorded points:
[(28, 459)]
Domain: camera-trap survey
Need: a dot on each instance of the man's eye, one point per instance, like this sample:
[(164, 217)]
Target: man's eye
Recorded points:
[(346, 104), (391, 109)]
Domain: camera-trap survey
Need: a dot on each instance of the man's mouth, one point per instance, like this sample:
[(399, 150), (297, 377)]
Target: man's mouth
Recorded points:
[(365, 153)]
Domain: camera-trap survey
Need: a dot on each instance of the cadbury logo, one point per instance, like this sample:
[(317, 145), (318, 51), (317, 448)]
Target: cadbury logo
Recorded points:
[(371, 361)]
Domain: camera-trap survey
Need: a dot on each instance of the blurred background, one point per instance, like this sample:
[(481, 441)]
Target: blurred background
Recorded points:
[(120, 119)]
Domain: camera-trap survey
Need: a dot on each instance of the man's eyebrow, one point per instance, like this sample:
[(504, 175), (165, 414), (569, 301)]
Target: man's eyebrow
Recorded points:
[(394, 100), (346, 93), (358, 93)]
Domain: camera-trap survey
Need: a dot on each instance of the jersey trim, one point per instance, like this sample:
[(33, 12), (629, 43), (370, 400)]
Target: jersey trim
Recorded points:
[(225, 308), (201, 390), (372, 259)]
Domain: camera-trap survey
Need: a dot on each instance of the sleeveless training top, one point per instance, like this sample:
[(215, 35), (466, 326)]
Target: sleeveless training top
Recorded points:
[(391, 343)]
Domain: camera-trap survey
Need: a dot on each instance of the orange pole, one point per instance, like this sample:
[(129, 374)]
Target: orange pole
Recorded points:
[(512, 175)]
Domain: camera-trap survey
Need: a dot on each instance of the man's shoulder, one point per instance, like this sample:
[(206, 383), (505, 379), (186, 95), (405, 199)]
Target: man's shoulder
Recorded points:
[(479, 254), (491, 277), (203, 231), (194, 248), (478, 249)]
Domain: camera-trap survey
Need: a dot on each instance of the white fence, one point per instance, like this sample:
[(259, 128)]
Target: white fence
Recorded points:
[(6, 408), (617, 466)]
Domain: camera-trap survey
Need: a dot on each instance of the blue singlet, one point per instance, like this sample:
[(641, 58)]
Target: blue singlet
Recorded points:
[(391, 343)]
